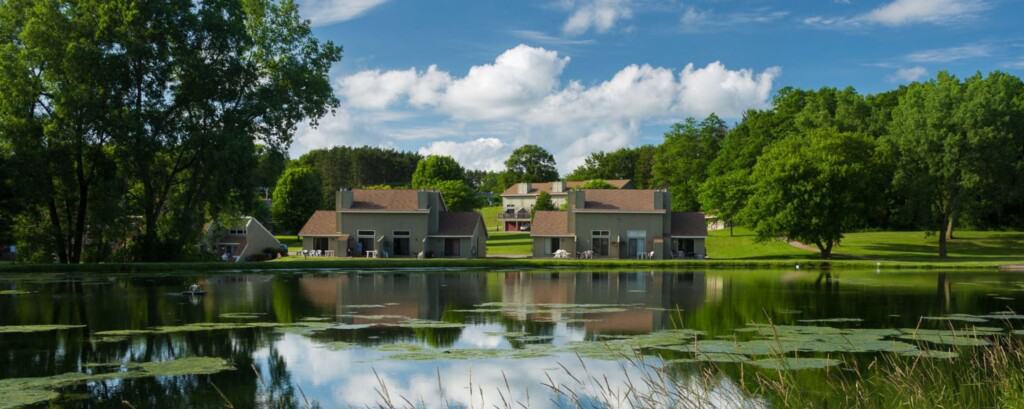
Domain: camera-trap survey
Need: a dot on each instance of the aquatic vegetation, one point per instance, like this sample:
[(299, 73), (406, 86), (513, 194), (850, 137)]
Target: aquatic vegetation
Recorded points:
[(956, 317), (832, 320), (363, 306), (22, 329), (336, 345), (420, 323), (243, 315), (791, 363), (940, 339), (316, 319), (931, 354), (14, 292), (18, 392)]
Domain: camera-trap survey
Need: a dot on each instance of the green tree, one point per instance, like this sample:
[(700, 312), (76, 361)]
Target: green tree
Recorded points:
[(596, 184), (348, 167), (270, 164), (530, 163), (726, 196), (435, 168), (627, 163), (812, 188), (458, 196), (543, 202), (682, 160), (951, 142), (296, 198)]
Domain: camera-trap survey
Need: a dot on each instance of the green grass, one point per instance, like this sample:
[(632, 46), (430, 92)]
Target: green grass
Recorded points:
[(509, 243), (967, 246), (293, 242), (742, 245), (490, 215)]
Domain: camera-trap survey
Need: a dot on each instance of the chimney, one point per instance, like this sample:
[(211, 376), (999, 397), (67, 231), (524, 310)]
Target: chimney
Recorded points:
[(524, 188), (423, 199), (557, 187), (343, 199)]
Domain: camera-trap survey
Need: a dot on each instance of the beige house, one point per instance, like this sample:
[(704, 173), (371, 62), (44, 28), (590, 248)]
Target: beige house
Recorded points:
[(622, 224), (242, 241), (394, 223), (518, 200)]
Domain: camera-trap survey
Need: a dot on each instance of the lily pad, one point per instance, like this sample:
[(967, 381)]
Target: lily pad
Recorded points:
[(23, 329), (832, 320), (946, 339), (243, 315), (14, 292), (931, 354), (956, 317), (789, 363)]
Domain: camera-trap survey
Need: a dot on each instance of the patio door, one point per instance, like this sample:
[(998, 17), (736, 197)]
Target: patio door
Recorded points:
[(452, 247), (636, 243)]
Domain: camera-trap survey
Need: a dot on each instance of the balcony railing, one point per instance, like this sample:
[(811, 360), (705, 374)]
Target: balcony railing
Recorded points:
[(521, 214)]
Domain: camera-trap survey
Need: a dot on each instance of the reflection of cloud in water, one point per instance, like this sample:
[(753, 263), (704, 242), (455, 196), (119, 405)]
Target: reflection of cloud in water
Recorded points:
[(346, 379), (482, 336)]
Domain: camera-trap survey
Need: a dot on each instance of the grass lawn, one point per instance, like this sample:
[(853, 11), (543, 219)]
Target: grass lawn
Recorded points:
[(293, 242), (967, 246), (502, 243), (741, 245)]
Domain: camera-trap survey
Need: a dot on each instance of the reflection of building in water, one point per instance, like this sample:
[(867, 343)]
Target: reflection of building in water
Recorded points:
[(655, 292), (412, 295)]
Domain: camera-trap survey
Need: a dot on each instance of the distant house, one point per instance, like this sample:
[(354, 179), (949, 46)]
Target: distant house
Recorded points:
[(243, 240), (620, 224), (394, 223), (518, 200)]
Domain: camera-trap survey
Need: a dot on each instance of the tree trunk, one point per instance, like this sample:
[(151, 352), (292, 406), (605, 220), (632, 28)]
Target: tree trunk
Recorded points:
[(57, 232), (949, 227), (825, 249), (942, 236)]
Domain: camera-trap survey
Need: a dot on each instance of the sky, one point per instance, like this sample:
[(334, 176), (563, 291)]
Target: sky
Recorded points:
[(474, 79)]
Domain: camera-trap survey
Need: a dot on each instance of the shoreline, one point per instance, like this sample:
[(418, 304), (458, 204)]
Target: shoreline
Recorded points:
[(976, 266)]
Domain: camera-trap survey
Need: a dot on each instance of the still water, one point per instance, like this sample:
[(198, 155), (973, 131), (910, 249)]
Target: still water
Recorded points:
[(442, 338)]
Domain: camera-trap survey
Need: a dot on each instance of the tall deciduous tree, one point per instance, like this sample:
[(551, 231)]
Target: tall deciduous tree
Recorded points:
[(530, 163), (458, 196), (435, 168), (813, 188), (682, 160), (543, 202), (952, 140), (296, 198)]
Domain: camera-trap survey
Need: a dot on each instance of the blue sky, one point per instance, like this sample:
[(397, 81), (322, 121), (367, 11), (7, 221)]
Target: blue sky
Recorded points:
[(475, 79)]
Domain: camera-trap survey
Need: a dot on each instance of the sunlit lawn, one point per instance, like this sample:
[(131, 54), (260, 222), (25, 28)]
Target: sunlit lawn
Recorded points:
[(293, 242), (742, 245), (509, 243), (917, 246)]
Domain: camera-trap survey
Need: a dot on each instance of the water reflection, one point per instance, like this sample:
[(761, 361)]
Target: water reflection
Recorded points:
[(272, 366)]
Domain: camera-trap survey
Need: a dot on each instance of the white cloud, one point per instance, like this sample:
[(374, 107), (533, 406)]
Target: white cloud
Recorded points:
[(481, 153), (597, 15), (905, 12), (325, 12), (540, 37), (695, 20), (910, 74), (1014, 65), (521, 98), (944, 55)]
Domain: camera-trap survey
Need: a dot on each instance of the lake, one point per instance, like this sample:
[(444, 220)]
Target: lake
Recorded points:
[(473, 338)]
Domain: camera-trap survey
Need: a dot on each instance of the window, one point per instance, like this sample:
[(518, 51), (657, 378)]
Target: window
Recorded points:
[(368, 233), (320, 243), (599, 242), (400, 243), (237, 232), (400, 233)]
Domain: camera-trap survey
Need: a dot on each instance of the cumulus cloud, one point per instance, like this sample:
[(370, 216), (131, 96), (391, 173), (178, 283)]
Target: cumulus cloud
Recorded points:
[(521, 98), (480, 153), (910, 74), (325, 12), (905, 12), (597, 15)]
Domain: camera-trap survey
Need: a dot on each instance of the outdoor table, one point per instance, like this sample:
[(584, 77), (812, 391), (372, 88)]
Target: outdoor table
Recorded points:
[(371, 253)]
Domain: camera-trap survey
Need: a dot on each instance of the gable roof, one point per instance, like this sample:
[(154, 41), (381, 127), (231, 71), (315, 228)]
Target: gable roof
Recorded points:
[(689, 224), (619, 200), (536, 188), (458, 223), (550, 223), (321, 223), (386, 200)]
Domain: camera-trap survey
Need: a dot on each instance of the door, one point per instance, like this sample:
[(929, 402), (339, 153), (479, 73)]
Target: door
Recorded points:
[(636, 243), (452, 247)]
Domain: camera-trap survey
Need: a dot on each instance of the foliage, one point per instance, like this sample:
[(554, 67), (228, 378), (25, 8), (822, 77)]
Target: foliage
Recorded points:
[(543, 202), (682, 160), (352, 167), (270, 164), (151, 109), (530, 163), (296, 198), (596, 184), (457, 195), (436, 168), (635, 164), (813, 188), (949, 145)]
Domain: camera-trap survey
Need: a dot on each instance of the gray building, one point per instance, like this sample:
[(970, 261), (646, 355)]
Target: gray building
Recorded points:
[(620, 224), (394, 223)]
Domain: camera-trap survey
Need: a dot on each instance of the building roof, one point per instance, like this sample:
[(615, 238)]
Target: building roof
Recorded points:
[(321, 223), (689, 224), (550, 223), (386, 200), (536, 188), (458, 223), (619, 200)]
